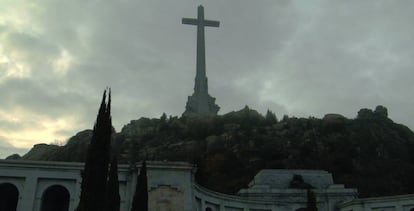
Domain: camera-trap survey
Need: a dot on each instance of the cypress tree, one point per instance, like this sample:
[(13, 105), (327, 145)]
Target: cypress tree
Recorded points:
[(140, 202), (113, 200), (311, 204), (94, 176)]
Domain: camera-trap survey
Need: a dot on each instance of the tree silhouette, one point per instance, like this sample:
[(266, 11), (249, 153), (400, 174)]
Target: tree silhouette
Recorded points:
[(94, 176), (140, 202), (113, 200), (311, 204), (270, 118)]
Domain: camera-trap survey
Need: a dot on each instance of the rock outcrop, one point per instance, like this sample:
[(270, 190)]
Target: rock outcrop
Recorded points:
[(370, 152)]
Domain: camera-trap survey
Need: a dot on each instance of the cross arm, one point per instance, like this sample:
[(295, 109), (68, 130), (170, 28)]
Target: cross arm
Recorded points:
[(211, 23), (190, 21)]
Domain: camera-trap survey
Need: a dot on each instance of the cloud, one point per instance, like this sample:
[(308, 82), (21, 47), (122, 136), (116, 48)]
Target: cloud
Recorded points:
[(344, 57), (7, 149), (292, 57)]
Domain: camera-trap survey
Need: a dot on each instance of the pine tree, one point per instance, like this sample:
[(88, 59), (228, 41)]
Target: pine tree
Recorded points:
[(270, 118), (163, 118), (140, 202), (163, 125), (113, 198), (311, 206), (94, 176)]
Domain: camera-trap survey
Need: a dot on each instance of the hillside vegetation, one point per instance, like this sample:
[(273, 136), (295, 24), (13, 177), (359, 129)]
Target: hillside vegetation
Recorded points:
[(370, 152)]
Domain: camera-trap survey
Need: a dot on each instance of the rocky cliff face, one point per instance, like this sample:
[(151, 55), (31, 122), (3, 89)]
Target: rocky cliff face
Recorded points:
[(370, 152), (74, 150)]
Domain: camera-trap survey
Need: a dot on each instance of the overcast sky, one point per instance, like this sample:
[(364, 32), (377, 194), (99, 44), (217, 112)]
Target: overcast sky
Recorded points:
[(301, 58)]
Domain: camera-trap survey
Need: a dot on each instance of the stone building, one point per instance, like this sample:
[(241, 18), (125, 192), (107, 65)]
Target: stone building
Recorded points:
[(44, 186)]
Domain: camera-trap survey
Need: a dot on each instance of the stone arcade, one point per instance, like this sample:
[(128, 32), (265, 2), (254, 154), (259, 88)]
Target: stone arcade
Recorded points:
[(43, 186), (47, 186)]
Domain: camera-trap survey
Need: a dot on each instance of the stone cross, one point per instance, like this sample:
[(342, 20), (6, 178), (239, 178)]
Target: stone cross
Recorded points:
[(201, 78)]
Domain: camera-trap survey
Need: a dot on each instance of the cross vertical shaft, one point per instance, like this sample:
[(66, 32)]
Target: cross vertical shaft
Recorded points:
[(200, 22), (201, 53)]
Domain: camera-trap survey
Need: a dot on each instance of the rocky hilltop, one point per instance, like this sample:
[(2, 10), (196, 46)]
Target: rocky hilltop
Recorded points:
[(369, 152)]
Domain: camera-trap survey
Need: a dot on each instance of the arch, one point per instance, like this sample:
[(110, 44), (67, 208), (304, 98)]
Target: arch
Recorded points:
[(301, 209), (9, 196), (209, 209), (55, 198)]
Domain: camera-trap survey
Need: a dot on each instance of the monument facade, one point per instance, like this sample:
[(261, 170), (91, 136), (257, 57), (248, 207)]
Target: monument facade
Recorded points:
[(200, 103)]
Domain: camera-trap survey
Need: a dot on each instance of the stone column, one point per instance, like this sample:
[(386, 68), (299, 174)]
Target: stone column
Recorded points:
[(221, 207), (29, 193), (203, 205), (399, 206), (76, 194)]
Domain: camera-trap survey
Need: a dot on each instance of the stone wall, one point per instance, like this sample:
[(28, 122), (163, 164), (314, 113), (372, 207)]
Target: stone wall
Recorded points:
[(171, 187), (283, 200), (388, 203), (165, 198), (207, 199), (281, 178), (169, 183), (276, 185)]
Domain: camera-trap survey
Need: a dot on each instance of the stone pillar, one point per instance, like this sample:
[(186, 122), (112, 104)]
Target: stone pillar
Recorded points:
[(29, 193), (76, 194), (131, 182), (398, 206), (203, 205), (221, 207)]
